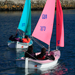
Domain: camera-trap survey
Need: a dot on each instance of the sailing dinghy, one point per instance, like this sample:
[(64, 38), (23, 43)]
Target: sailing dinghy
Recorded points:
[(24, 26), (43, 32)]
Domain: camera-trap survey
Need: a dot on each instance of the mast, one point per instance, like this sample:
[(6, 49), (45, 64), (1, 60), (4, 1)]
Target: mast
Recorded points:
[(56, 47), (23, 35), (48, 48)]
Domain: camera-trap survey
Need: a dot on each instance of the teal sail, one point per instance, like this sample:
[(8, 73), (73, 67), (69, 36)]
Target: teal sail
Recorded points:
[(28, 29), (25, 21)]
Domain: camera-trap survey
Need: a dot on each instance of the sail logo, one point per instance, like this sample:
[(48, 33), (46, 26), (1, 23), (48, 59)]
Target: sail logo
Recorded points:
[(58, 41), (44, 16), (23, 24), (43, 28), (26, 31)]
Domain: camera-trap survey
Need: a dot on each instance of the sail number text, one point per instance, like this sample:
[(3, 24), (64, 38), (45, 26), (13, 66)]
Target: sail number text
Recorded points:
[(42, 28), (44, 16), (23, 24)]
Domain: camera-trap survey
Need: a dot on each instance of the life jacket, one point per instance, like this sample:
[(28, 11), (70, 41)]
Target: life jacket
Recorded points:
[(25, 40), (42, 58)]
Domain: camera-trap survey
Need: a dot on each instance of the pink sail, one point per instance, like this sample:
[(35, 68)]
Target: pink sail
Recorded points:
[(44, 27), (59, 25)]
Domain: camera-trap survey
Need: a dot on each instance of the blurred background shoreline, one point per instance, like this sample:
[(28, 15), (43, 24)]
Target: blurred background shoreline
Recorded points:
[(17, 5)]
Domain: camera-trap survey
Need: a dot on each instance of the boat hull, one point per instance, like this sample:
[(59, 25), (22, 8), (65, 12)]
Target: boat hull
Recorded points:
[(21, 64), (39, 64), (17, 44), (11, 44)]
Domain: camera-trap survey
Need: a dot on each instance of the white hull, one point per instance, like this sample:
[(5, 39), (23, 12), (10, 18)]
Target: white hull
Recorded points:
[(12, 44), (38, 64), (31, 64), (21, 45)]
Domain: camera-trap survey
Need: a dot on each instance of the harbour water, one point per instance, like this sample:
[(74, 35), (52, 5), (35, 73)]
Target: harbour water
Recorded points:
[(8, 24)]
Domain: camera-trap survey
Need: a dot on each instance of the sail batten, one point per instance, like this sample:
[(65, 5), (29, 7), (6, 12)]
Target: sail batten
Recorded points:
[(44, 27), (59, 25), (25, 21)]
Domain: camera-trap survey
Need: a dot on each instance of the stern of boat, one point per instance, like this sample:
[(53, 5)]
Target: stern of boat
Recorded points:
[(11, 44), (56, 54), (23, 45)]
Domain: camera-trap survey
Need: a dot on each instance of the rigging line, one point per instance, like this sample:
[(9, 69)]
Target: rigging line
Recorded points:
[(38, 43), (16, 31), (19, 32), (31, 55), (36, 58)]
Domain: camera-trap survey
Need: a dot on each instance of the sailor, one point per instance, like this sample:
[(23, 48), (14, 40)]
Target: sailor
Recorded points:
[(42, 55), (26, 39), (29, 53), (14, 37)]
